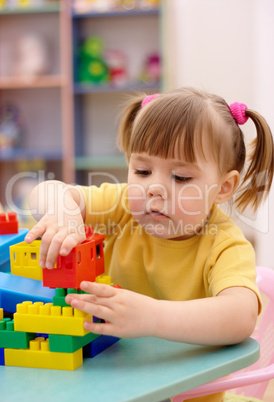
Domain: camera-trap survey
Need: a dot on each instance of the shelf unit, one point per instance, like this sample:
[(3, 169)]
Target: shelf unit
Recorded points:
[(96, 107), (70, 127), (45, 102)]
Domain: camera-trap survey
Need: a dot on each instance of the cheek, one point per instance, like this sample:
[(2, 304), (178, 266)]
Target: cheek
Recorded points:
[(190, 200), (136, 198), (194, 200)]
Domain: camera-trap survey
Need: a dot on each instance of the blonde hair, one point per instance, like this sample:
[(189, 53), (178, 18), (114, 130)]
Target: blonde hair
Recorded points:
[(188, 122)]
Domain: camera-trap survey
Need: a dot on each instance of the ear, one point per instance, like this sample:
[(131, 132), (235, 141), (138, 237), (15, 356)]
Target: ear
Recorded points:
[(229, 184)]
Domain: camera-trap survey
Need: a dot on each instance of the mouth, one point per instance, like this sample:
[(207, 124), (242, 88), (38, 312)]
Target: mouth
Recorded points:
[(157, 214)]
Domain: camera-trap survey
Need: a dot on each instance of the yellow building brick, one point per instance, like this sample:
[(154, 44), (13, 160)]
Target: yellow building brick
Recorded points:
[(39, 356), (105, 279), (49, 319), (24, 260)]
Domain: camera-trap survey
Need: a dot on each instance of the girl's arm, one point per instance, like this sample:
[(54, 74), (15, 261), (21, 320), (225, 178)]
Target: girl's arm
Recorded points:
[(225, 319), (60, 209)]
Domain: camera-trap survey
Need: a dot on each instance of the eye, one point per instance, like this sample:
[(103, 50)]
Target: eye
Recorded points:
[(181, 179), (142, 172)]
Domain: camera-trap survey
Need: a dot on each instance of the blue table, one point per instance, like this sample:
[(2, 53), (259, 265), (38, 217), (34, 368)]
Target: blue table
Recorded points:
[(145, 369)]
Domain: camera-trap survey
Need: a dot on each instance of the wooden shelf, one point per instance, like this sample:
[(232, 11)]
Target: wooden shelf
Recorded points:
[(10, 155), (46, 81), (83, 88), (97, 106), (45, 103), (52, 7), (118, 13), (100, 162)]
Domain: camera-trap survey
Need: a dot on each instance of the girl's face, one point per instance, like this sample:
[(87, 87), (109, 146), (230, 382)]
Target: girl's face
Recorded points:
[(171, 199)]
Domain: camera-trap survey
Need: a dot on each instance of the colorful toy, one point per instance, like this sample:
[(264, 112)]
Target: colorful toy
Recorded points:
[(2, 4), (13, 339), (39, 356), (85, 262), (6, 241), (24, 260), (11, 130), (116, 62), (49, 319), (8, 223), (92, 67), (152, 68), (15, 289), (65, 341), (98, 6)]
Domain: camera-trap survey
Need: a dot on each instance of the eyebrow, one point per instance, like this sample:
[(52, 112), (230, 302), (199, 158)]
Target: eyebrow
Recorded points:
[(176, 163), (187, 165)]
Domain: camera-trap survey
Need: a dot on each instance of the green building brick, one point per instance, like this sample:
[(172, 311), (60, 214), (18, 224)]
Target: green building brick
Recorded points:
[(69, 343), (13, 339), (60, 294)]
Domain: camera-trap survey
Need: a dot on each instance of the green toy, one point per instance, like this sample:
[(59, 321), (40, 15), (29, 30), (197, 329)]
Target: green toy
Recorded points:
[(92, 67)]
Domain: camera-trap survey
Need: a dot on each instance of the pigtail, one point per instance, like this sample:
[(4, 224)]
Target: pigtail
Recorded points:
[(126, 122), (256, 183)]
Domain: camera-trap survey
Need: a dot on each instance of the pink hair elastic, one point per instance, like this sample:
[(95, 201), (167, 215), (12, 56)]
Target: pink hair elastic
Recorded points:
[(149, 98), (238, 112)]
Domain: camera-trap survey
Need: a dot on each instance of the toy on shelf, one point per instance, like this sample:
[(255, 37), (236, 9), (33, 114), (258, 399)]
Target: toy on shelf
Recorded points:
[(31, 56), (92, 66), (11, 130), (148, 4), (96, 6), (117, 65), (104, 6), (65, 341), (152, 68), (12, 4)]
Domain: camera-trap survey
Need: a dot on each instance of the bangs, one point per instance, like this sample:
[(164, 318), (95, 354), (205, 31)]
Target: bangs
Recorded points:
[(172, 128)]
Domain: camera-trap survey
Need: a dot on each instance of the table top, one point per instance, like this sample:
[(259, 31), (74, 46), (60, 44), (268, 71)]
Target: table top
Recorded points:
[(144, 369)]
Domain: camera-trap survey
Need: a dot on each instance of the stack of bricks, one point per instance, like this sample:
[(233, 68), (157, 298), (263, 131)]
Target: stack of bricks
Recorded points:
[(52, 335), (63, 343)]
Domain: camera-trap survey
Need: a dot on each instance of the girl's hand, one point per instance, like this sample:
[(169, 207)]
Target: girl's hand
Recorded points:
[(126, 314), (61, 211), (56, 239)]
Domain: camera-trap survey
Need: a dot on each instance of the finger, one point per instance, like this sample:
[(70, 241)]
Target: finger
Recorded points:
[(96, 310), (70, 242), (99, 328), (55, 246), (104, 301), (98, 289), (85, 297), (44, 247), (37, 231)]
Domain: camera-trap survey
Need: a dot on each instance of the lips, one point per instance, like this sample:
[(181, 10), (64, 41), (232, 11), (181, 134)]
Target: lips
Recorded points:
[(157, 214)]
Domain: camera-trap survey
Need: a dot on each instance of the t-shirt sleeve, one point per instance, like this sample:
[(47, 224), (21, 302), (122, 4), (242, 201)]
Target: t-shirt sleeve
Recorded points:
[(233, 264)]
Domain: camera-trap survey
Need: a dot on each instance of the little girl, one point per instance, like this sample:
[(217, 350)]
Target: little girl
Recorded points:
[(186, 271)]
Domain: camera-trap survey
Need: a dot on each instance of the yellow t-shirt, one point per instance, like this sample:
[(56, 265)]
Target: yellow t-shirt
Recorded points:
[(202, 266)]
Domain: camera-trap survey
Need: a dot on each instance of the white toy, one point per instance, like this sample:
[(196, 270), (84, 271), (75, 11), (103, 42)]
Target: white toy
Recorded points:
[(31, 56)]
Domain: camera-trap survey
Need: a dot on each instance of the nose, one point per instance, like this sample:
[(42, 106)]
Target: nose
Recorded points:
[(156, 190)]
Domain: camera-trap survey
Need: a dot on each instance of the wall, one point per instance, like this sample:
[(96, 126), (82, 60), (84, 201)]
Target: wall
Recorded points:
[(227, 47)]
